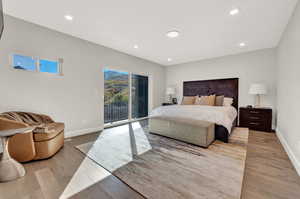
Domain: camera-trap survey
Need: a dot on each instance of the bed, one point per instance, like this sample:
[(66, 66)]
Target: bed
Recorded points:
[(224, 118)]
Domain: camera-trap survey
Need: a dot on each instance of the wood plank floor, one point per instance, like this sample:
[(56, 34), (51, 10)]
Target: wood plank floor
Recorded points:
[(268, 174)]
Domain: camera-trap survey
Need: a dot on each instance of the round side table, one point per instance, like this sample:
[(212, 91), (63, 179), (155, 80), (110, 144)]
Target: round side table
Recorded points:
[(10, 169)]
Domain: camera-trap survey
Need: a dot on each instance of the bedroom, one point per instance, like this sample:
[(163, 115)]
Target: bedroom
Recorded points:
[(162, 45)]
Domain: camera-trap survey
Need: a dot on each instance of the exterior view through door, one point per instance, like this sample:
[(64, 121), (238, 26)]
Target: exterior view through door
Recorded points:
[(126, 96)]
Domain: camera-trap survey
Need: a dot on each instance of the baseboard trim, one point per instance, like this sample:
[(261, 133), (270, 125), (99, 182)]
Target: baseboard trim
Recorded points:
[(287, 148), (70, 134), (114, 124)]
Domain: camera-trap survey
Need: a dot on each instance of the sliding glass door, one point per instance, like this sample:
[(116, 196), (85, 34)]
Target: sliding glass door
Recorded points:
[(139, 96), (125, 96), (116, 96)]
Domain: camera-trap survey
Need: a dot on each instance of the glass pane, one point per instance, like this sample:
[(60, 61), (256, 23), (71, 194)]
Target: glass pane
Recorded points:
[(139, 96), (49, 66), (116, 96), (24, 62)]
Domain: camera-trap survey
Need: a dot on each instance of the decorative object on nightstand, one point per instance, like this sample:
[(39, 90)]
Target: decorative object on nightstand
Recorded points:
[(259, 119), (174, 100), (170, 92), (258, 90)]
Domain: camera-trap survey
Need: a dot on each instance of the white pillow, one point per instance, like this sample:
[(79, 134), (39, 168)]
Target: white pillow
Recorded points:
[(227, 101), (197, 100)]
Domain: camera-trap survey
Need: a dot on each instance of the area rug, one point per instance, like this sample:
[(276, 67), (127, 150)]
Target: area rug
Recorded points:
[(159, 167)]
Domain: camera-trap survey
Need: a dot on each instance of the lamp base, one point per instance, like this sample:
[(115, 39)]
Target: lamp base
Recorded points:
[(170, 98), (257, 101)]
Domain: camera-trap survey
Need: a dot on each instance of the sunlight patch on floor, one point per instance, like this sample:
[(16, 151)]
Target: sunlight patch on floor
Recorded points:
[(88, 174), (117, 146)]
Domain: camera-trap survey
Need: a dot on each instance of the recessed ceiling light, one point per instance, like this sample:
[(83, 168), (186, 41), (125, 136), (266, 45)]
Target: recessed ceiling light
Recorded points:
[(136, 46), (173, 34), (69, 17), (169, 59), (234, 11), (242, 44)]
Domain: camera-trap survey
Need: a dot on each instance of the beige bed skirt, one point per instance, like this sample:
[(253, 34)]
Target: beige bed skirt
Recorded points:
[(196, 132)]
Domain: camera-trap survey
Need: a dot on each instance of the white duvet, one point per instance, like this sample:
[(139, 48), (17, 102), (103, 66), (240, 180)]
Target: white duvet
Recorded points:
[(221, 115)]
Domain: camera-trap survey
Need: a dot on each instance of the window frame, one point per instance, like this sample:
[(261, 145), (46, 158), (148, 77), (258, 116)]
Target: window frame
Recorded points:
[(59, 65), (37, 67), (11, 62), (130, 73)]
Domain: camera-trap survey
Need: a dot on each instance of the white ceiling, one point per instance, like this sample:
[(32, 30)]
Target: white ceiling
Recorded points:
[(207, 30)]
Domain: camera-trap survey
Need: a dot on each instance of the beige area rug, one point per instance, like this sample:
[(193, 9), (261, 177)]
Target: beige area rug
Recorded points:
[(159, 167)]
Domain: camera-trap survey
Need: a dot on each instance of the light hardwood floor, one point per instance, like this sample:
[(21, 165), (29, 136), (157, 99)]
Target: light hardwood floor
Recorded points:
[(268, 174)]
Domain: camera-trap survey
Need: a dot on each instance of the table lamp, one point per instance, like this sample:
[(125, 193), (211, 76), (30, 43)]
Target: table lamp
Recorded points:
[(258, 90), (170, 91)]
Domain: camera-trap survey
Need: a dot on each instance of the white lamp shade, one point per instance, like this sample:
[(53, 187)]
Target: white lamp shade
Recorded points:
[(257, 89), (170, 91)]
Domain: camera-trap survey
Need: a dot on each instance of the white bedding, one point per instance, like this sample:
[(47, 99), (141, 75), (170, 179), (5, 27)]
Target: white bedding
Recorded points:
[(221, 115)]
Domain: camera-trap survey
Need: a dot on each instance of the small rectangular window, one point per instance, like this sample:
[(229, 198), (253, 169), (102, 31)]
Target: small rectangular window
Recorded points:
[(49, 66), (21, 62)]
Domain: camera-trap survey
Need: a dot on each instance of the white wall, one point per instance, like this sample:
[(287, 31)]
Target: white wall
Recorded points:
[(258, 66), (75, 98), (288, 94)]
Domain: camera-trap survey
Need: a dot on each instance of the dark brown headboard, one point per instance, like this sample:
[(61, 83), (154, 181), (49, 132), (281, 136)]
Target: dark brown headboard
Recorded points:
[(226, 87)]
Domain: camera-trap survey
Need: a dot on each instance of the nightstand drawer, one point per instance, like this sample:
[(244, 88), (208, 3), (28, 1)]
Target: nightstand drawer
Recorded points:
[(252, 117), (255, 117), (259, 126), (254, 112)]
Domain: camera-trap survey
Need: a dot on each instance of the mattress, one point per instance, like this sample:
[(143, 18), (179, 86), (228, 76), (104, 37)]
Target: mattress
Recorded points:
[(220, 115)]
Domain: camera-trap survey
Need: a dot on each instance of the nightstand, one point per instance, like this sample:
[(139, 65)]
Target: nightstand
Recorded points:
[(167, 104), (259, 119)]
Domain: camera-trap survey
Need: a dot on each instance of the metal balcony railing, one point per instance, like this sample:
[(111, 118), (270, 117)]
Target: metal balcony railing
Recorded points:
[(115, 111)]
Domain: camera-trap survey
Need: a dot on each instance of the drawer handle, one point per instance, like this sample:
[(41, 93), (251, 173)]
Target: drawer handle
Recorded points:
[(254, 123), (256, 112), (256, 118)]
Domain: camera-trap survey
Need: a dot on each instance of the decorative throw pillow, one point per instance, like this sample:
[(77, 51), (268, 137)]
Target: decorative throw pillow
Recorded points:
[(203, 100), (219, 100), (211, 100), (188, 100), (227, 101), (206, 100)]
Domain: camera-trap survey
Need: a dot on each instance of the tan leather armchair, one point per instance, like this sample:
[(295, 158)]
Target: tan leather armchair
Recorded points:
[(45, 140)]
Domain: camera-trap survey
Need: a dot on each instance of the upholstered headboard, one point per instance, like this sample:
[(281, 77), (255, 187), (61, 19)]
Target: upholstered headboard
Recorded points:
[(226, 87)]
